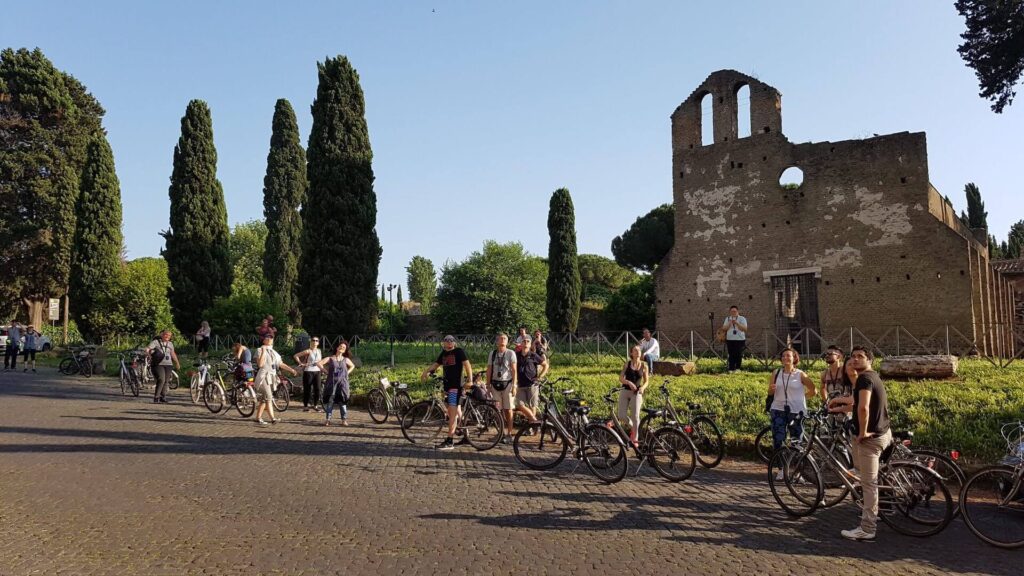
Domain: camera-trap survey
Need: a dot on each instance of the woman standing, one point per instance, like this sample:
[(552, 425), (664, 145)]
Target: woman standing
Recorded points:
[(634, 377), (339, 367), (309, 360), (268, 361), (790, 387), (162, 357), (203, 339), (28, 353)]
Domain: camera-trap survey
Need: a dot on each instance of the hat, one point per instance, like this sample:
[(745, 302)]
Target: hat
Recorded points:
[(267, 336), (449, 338)]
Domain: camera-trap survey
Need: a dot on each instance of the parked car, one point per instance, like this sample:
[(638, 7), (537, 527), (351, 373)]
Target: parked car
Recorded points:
[(42, 342)]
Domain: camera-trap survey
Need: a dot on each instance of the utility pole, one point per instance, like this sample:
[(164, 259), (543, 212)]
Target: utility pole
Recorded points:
[(391, 321)]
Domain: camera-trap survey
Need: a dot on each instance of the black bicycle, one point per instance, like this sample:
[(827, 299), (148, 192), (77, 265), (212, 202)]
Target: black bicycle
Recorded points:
[(695, 422), (668, 449), (992, 500), (426, 422), (78, 361), (543, 446), (239, 393), (388, 400)]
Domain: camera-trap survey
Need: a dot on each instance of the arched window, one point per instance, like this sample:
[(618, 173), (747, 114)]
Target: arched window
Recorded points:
[(707, 122), (743, 111)]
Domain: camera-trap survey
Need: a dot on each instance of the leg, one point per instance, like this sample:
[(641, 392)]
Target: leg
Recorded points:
[(740, 346), (452, 398), (778, 428), (650, 363), (870, 450), (344, 412), (14, 358), (161, 377), (634, 415), (796, 430), (307, 388), (328, 402)]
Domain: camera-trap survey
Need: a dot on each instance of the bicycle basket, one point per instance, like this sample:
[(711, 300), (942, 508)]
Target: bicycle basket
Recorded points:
[(1013, 434), (385, 383)]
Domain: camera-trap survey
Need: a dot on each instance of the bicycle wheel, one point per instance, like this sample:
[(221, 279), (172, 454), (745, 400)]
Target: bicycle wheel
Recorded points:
[(68, 367), (174, 381), (402, 402), (214, 397), (765, 444), (86, 368), (912, 499), (952, 474), (539, 447), (484, 426), (283, 394), (245, 402), (377, 406), (133, 382), (124, 382), (992, 503), (194, 388), (604, 453), (672, 454), (707, 439), (836, 490), (795, 482), (425, 424)]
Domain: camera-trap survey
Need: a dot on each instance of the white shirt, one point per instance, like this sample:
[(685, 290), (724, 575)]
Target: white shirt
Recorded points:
[(268, 371), (166, 348), (789, 389), (735, 333), (502, 365), (650, 347), (311, 360)]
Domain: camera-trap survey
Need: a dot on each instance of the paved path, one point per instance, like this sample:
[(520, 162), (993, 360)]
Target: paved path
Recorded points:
[(93, 483)]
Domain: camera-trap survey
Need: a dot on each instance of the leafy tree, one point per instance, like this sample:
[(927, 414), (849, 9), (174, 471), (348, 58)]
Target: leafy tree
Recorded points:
[(197, 251), (399, 301), (994, 46), (284, 191), (995, 251), (237, 314), (602, 277), (977, 217), (390, 318), (498, 288), (340, 249), (247, 259), (1015, 241), (136, 303), (422, 281), (96, 261), (563, 285), (632, 307), (647, 241)]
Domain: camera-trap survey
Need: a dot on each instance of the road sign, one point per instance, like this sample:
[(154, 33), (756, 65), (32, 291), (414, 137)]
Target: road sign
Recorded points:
[(54, 308)]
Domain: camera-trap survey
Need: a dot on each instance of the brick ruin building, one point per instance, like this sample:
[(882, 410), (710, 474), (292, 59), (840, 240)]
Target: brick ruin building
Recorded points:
[(864, 249)]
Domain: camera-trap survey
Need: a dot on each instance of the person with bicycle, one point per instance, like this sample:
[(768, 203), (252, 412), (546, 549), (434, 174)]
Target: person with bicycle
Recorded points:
[(634, 378), (339, 366), (268, 362), (788, 389), (162, 356), (309, 361), (869, 409), (454, 363), (530, 367)]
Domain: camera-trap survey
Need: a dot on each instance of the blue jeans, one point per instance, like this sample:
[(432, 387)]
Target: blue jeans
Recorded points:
[(335, 395), (650, 359), (780, 425)]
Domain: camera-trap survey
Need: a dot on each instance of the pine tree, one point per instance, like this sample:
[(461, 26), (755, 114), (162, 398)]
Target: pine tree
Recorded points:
[(976, 215), (422, 281), (564, 286), (284, 191), (340, 249), (197, 252), (1015, 241), (399, 296), (96, 261), (994, 250)]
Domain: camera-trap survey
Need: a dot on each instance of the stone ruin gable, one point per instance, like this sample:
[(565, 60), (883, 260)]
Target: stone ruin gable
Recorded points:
[(864, 221)]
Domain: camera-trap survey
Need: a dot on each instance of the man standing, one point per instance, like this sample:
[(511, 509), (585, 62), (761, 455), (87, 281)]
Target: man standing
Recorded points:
[(164, 350), (530, 367), (454, 362), (502, 375), (870, 413), (735, 327), (650, 349), (13, 345)]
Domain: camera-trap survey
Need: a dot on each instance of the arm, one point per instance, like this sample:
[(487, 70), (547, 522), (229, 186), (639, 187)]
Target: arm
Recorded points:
[(824, 390), (862, 415), (515, 373), (644, 379), (809, 388), (428, 371), (544, 368), (323, 362), (467, 368), (261, 359), (771, 383), (741, 326), (622, 377), (349, 365), (174, 356), (301, 361)]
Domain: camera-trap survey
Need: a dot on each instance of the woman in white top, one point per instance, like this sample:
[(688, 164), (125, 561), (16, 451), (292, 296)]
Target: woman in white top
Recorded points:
[(268, 361), (309, 361), (203, 339), (790, 387)]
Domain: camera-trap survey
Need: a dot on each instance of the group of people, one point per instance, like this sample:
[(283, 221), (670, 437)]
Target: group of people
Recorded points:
[(21, 343)]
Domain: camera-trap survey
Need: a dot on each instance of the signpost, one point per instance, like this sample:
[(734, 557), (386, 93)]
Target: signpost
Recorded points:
[(54, 308)]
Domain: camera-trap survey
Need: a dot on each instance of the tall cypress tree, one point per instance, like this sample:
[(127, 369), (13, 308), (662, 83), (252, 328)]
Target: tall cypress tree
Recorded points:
[(96, 262), (284, 191), (197, 251), (340, 248), (976, 215), (422, 282), (564, 286)]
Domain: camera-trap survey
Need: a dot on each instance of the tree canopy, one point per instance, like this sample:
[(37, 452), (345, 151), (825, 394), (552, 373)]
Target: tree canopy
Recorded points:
[(422, 281), (647, 241), (994, 47), (563, 284), (247, 243)]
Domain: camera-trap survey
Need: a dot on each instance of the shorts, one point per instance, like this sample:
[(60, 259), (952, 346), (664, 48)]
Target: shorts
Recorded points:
[(528, 396), (452, 397), (504, 399)]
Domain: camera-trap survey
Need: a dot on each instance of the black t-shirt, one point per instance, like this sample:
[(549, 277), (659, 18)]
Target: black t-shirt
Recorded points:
[(526, 367), (878, 409), (451, 363)]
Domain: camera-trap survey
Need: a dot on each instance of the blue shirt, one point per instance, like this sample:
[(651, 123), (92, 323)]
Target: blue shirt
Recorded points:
[(14, 336)]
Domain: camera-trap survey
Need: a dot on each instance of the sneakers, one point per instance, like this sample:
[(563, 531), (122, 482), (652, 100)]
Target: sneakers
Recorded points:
[(448, 444), (780, 475), (858, 535), (462, 441), (275, 420), (506, 439), (344, 421), (262, 422)]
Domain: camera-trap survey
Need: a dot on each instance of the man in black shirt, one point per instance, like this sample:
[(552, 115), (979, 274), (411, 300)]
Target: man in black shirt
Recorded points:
[(870, 415), (454, 362)]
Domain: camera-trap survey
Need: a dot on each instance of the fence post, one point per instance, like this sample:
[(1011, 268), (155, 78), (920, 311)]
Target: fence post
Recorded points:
[(691, 346), (897, 340), (598, 345), (851, 340), (947, 339)]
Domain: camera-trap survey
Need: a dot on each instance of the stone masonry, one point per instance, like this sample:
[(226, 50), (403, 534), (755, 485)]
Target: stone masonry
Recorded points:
[(864, 241)]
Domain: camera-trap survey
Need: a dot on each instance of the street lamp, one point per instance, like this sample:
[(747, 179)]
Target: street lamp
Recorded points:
[(391, 321)]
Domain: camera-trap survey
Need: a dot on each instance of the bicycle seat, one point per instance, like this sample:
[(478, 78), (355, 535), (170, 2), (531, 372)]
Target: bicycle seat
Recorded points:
[(568, 392), (904, 435), (401, 385), (654, 412), (693, 406), (581, 410)]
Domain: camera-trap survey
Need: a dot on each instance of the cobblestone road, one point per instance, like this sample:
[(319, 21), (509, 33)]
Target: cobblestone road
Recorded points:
[(93, 483)]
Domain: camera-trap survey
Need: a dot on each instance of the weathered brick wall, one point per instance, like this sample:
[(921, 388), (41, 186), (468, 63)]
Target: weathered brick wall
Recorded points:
[(865, 219)]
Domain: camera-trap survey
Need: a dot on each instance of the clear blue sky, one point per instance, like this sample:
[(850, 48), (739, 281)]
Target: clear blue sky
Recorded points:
[(478, 111)]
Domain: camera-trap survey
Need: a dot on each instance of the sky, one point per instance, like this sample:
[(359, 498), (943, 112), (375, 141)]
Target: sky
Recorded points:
[(478, 111)]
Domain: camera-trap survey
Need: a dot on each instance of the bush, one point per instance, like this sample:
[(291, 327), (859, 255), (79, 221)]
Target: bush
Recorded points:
[(632, 307), (240, 314)]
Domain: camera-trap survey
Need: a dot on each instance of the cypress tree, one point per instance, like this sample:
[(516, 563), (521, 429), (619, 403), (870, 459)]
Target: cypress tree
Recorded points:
[(976, 215), (564, 286), (197, 244), (340, 249), (422, 281), (284, 191), (96, 262)]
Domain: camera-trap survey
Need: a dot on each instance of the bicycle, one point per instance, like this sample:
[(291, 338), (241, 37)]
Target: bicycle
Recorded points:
[(240, 394), (698, 425), (199, 380), (78, 361), (992, 499), (426, 422), (382, 403), (544, 446), (669, 450), (146, 373), (907, 490), (282, 393), (128, 376)]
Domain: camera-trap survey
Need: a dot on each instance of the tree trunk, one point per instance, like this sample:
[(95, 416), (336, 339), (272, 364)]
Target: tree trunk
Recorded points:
[(37, 312), (934, 366)]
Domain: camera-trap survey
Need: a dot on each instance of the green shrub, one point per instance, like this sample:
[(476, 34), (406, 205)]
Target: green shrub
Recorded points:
[(240, 314), (632, 307)]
